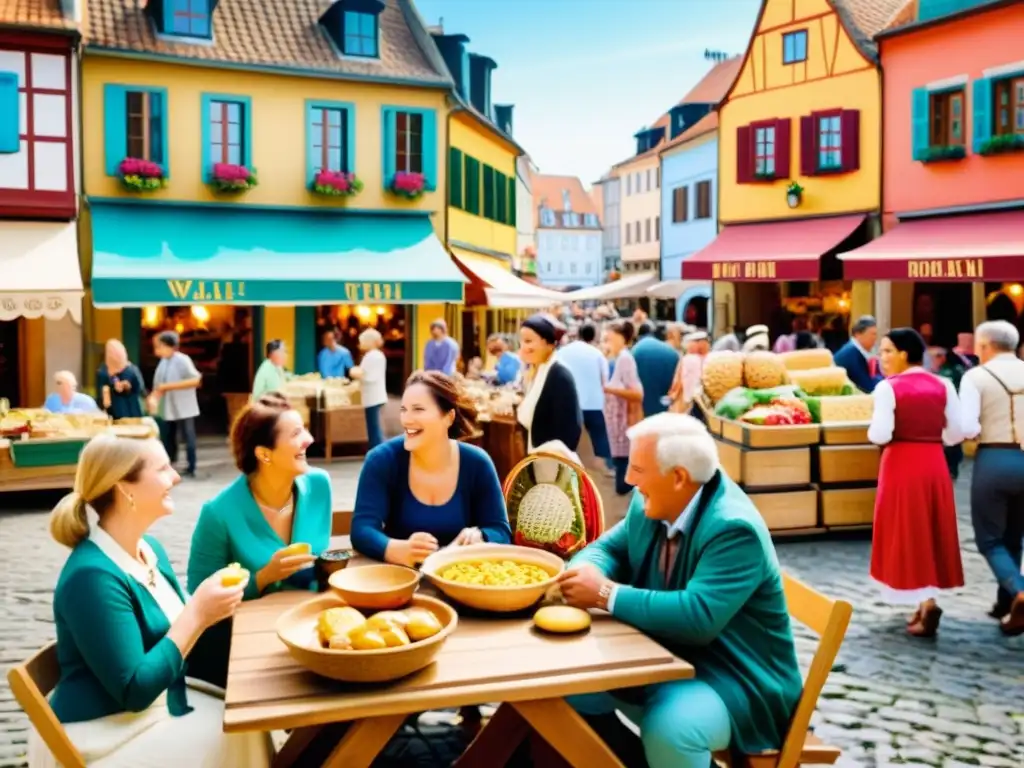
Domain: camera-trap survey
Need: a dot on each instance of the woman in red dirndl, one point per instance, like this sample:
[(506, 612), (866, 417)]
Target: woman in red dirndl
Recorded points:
[(915, 549)]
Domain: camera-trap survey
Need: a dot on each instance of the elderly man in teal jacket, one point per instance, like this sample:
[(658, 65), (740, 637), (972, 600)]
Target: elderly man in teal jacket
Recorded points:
[(692, 565)]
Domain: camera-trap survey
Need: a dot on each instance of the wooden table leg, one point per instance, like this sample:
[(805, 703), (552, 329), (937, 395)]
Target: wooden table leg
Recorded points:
[(364, 741), (563, 728), (296, 744), (494, 746)]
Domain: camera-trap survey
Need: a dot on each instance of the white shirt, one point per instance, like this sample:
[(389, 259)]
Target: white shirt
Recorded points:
[(149, 577), (883, 419), (374, 381), (970, 402), (589, 369)]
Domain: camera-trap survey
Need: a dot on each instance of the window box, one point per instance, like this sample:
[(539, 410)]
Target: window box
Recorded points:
[(999, 145), (140, 175), (135, 127), (763, 151), (232, 179), (942, 153), (336, 184), (410, 145), (411, 186)]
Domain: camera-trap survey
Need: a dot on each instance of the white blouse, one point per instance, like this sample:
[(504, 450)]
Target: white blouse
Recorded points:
[(883, 418), (149, 576)]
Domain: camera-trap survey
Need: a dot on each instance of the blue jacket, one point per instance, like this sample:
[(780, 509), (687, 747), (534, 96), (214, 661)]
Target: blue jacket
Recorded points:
[(656, 364), (852, 359)]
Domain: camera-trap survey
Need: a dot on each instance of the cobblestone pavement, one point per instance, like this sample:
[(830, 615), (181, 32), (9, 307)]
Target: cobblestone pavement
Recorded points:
[(956, 701)]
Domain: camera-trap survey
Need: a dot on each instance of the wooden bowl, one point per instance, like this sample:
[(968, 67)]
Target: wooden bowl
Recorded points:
[(375, 587), (495, 599), (297, 630)]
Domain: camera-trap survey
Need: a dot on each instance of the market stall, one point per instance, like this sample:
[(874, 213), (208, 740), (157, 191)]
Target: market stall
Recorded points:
[(502, 437), (331, 409), (792, 431)]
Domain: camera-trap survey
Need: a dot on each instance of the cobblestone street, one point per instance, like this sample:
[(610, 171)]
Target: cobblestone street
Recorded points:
[(956, 701)]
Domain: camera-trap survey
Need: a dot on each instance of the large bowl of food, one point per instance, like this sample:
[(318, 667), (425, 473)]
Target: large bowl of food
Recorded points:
[(331, 638), (501, 578)]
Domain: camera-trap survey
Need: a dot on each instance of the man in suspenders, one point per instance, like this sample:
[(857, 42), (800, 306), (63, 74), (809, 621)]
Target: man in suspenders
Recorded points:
[(992, 399)]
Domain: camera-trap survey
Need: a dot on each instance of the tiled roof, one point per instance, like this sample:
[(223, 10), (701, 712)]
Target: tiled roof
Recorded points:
[(274, 33), (864, 19), (547, 190), (707, 124), (597, 196), (38, 14)]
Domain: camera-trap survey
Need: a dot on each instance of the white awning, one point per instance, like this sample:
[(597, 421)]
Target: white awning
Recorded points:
[(39, 272), (503, 289), (632, 287), (673, 289)]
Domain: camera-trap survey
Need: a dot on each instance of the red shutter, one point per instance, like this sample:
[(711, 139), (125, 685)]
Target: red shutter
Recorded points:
[(744, 156), (783, 148), (850, 147), (808, 147)]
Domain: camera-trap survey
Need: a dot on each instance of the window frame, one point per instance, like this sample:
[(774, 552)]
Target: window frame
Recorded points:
[(115, 125), (680, 204), (245, 133), (348, 148), (547, 217), (791, 54), (702, 191), (764, 125), (818, 117), (940, 117), (359, 35), (170, 14), (428, 143), (1013, 87)]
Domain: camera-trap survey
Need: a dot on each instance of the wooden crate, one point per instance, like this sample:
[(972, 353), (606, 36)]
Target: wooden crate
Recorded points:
[(776, 468), (754, 436), (714, 422), (844, 434), (788, 510), (730, 456), (847, 506), (848, 463)]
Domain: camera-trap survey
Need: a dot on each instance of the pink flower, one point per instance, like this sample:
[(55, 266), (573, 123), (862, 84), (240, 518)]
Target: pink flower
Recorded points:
[(339, 180), (410, 183), (133, 166), (231, 172)]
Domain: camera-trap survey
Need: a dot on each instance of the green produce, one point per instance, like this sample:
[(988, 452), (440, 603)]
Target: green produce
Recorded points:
[(766, 396), (735, 403)]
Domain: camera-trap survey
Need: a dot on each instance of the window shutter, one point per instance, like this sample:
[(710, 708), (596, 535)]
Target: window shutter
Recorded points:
[(783, 148), (512, 210), (10, 113), (489, 193), (390, 145), (158, 131), (849, 126), (455, 177), (919, 122), (472, 185), (981, 106), (744, 155), (808, 147), (500, 197), (115, 127), (429, 140)]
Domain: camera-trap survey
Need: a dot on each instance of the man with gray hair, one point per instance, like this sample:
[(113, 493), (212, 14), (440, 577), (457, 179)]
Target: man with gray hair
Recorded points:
[(992, 404), (693, 566), (857, 355)]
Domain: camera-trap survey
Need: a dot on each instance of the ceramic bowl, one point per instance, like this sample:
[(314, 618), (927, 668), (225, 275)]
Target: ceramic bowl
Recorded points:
[(379, 587)]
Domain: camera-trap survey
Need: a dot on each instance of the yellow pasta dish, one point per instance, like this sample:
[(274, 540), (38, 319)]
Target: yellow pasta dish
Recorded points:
[(495, 573)]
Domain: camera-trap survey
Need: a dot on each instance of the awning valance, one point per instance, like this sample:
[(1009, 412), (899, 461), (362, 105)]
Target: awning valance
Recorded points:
[(772, 251), (631, 287), (674, 289), (210, 255), (495, 287), (966, 248), (39, 272)]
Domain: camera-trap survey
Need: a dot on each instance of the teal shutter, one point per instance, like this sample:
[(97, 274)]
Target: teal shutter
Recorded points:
[(981, 106), (390, 129), (512, 201), (455, 177), (429, 140), (311, 161), (158, 133), (10, 114), (501, 197), (115, 127)]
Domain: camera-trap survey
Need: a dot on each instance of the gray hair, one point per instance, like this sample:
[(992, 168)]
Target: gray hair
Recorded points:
[(681, 442), (61, 377), (864, 323), (1001, 334), (370, 339)]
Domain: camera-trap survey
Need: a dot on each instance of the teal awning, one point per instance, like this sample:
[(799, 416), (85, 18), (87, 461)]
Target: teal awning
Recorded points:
[(166, 254)]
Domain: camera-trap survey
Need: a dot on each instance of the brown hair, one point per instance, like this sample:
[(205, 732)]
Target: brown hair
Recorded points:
[(448, 396), (623, 328), (255, 427)]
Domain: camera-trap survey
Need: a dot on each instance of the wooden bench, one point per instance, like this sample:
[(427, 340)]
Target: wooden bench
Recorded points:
[(829, 620), (31, 682)]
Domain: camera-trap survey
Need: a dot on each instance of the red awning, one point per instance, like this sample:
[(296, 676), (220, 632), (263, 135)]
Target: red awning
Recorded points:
[(968, 248), (778, 250)]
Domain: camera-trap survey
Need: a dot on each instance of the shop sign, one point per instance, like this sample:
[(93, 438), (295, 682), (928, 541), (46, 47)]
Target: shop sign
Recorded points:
[(945, 269), (743, 270), (202, 291), (372, 292)]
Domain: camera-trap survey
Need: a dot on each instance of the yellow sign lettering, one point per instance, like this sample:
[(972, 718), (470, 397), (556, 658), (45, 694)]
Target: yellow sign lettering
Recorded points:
[(945, 269), (382, 292), (179, 288), (200, 291), (743, 270)]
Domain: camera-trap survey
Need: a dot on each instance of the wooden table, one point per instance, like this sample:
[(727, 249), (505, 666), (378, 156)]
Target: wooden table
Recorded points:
[(485, 660)]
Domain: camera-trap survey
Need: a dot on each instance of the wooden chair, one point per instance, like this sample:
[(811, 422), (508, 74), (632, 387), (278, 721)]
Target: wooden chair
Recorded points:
[(829, 619), (31, 682), (341, 522)]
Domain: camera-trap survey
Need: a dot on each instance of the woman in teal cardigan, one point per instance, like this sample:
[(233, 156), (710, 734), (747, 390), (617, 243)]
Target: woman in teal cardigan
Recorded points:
[(125, 627), (276, 503)]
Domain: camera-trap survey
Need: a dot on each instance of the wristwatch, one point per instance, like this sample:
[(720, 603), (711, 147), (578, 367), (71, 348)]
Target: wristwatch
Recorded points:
[(604, 594)]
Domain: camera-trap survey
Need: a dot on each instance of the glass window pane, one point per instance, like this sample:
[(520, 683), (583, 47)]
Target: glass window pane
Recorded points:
[(181, 25), (760, 135), (334, 136), (216, 109), (234, 111), (216, 152), (333, 116), (352, 44), (234, 133), (334, 159), (401, 160), (235, 154), (200, 25), (367, 26)]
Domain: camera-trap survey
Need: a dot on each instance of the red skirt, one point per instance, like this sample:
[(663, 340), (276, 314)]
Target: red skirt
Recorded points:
[(915, 543)]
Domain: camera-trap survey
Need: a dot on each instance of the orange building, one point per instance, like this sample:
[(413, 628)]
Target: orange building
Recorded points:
[(953, 173)]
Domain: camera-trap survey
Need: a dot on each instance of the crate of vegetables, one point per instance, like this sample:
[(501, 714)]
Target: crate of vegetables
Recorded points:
[(766, 418)]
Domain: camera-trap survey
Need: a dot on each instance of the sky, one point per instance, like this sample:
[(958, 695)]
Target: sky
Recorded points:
[(585, 75)]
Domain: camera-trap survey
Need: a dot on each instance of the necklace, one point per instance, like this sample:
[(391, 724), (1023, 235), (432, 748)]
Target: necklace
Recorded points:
[(273, 510)]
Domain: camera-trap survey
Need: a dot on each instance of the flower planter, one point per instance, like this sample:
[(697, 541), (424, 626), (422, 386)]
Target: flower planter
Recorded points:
[(942, 154), (336, 184), (408, 185), (141, 175), (794, 195), (232, 179), (999, 145)]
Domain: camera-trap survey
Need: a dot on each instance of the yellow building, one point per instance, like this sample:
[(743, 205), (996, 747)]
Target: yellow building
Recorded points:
[(640, 201), (799, 166), (254, 171)]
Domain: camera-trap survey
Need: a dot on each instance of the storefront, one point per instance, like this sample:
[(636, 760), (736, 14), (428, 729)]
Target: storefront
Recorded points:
[(230, 279), (40, 308), (772, 272)]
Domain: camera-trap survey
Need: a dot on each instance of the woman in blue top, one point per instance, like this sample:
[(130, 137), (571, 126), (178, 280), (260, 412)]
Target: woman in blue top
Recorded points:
[(425, 489), (119, 382), (124, 625), (276, 503)]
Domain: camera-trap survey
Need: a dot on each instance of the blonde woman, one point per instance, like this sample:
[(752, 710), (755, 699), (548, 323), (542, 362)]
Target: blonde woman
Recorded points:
[(372, 373), (119, 382), (124, 625)]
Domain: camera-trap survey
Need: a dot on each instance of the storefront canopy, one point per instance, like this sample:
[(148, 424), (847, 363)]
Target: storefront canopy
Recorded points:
[(769, 252), (493, 286), (39, 273), (674, 289), (967, 248), (212, 255), (631, 287)]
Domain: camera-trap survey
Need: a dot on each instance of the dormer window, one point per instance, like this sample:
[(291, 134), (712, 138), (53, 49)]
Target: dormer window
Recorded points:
[(547, 217), (184, 18), (360, 34), (354, 27), (566, 202)]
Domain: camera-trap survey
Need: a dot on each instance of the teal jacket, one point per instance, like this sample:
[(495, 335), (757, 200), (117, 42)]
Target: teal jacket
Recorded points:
[(723, 610), (112, 641)]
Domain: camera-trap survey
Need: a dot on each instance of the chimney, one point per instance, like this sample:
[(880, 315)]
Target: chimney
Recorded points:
[(503, 117), (453, 50), (480, 68)]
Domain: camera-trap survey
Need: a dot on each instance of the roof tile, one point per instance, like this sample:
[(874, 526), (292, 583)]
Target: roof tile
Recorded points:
[(547, 190), (41, 14), (707, 124), (864, 19)]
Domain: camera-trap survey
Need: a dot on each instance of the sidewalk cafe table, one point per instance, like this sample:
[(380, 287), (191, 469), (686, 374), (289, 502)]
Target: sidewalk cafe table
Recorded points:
[(493, 659)]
